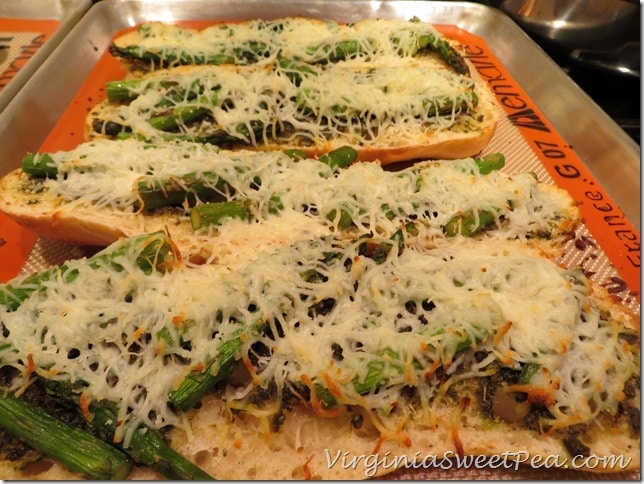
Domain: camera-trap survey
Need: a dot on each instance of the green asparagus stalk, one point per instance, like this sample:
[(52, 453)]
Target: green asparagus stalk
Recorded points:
[(177, 116), (380, 251), (154, 192), (77, 450), (295, 154), (336, 52), (468, 223), (167, 57), (241, 134), (124, 90), (198, 383), (445, 104), (146, 446), (446, 52), (155, 254), (489, 163), (340, 158), (213, 214), (40, 165), (376, 376), (344, 222), (528, 371), (295, 70)]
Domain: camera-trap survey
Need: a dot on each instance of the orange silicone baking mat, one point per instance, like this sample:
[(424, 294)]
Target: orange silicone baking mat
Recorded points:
[(23, 38), (610, 249)]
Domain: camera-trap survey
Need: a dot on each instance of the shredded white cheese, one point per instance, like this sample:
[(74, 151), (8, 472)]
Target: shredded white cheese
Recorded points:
[(360, 326), (427, 194), (294, 37), (362, 101)]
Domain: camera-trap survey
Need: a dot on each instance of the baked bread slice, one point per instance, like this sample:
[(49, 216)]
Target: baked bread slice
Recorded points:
[(353, 357), (104, 190), (404, 93), (157, 45)]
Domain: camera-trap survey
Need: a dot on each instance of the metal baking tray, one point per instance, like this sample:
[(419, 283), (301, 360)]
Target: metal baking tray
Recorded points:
[(67, 12), (608, 152)]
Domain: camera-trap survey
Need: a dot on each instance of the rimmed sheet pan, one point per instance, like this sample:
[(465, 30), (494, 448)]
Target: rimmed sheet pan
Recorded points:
[(43, 24), (608, 153), (611, 155)]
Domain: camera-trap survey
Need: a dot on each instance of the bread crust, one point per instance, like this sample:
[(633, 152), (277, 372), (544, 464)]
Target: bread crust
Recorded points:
[(239, 445), (36, 208), (309, 446), (393, 148)]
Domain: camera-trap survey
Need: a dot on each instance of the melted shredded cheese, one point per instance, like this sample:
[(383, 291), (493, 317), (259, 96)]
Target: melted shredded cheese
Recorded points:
[(366, 102), (262, 40), (330, 314), (427, 195)]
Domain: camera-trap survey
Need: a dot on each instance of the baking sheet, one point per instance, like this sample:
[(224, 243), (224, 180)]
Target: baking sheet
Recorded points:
[(560, 133), (611, 155), (559, 120), (31, 30)]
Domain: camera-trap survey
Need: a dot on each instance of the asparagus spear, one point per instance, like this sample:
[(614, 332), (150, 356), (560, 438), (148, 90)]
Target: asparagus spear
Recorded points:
[(449, 55), (295, 70), (339, 158), (467, 223), (445, 104), (528, 371), (177, 116), (154, 192), (40, 165), (146, 446), (212, 214), (489, 163), (446, 52), (125, 90), (337, 51), (197, 384), (167, 57), (129, 89), (155, 254), (74, 448)]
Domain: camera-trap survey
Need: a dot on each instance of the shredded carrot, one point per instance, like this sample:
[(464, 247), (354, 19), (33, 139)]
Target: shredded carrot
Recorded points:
[(410, 376), (84, 406), (138, 333), (335, 390), (251, 370), (237, 443), (505, 327), (320, 410), (305, 467), (31, 366), (178, 320), (306, 379), (429, 372)]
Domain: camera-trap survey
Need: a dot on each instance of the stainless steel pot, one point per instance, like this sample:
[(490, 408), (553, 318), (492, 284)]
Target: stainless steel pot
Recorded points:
[(577, 24)]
